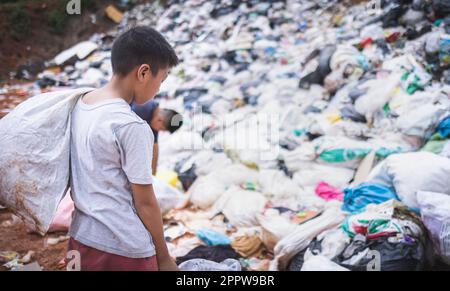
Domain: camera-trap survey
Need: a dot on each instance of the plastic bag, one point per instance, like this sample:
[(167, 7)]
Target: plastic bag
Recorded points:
[(321, 263), (168, 197), (412, 172), (303, 234), (274, 228), (241, 207), (378, 94), (357, 198), (275, 184), (421, 121), (206, 190), (328, 192), (312, 173), (35, 156), (435, 211), (213, 238), (205, 265)]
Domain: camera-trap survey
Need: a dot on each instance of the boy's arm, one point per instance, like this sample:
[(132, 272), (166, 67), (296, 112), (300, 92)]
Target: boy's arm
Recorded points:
[(155, 158), (147, 208)]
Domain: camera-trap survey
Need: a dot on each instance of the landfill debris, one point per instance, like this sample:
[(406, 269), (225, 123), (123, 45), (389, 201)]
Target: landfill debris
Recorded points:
[(6, 256), (13, 221), (213, 238), (80, 50), (435, 216), (56, 240), (114, 14), (248, 246), (205, 265), (27, 257), (361, 99), (33, 267)]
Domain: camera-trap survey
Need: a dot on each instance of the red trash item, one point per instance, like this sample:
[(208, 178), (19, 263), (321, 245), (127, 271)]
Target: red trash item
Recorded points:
[(365, 42), (393, 37)]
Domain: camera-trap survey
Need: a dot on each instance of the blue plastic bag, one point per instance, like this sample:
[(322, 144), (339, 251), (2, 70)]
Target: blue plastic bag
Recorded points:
[(213, 238), (444, 128), (356, 199)]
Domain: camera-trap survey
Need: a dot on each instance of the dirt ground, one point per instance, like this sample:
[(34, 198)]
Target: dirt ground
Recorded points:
[(40, 42), (16, 238)]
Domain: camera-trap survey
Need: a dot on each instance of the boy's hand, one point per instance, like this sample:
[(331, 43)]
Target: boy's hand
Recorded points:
[(167, 264)]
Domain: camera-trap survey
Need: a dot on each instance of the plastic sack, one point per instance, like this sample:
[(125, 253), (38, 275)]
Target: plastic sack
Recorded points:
[(213, 238), (421, 121), (446, 150), (275, 184), (409, 173), (435, 211), (205, 265), (312, 173), (241, 207), (274, 228), (168, 197), (345, 152), (379, 92), (206, 190), (321, 263), (357, 198), (35, 156), (303, 234), (444, 128)]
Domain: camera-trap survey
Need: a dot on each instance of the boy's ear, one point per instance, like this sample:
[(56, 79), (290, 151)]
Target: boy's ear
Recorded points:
[(143, 72)]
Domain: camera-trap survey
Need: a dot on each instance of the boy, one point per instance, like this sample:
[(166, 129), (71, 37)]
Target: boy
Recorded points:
[(117, 223), (159, 120)]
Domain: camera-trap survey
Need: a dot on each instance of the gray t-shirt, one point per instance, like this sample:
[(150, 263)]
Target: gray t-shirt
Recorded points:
[(110, 147)]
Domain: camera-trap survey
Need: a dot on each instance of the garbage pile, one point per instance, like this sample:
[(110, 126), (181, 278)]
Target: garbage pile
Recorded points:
[(315, 134)]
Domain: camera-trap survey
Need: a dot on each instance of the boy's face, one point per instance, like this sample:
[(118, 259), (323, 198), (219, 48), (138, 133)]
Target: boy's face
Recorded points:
[(147, 85)]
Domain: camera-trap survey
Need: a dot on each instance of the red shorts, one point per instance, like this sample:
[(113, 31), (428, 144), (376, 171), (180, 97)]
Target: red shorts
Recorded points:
[(92, 259)]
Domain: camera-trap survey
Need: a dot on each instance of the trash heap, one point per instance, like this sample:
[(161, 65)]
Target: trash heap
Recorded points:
[(315, 133)]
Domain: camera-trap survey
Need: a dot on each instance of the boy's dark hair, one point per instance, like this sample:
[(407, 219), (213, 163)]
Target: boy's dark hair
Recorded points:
[(172, 120), (141, 45)]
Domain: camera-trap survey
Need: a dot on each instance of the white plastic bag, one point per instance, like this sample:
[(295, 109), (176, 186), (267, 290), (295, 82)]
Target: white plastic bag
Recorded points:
[(206, 190), (413, 172), (303, 234), (421, 121), (275, 184), (321, 263), (202, 265), (274, 228), (435, 211), (168, 197), (241, 207), (34, 156), (310, 174)]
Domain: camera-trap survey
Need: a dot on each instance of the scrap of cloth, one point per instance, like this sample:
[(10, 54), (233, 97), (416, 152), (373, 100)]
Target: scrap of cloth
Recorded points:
[(216, 254), (248, 246)]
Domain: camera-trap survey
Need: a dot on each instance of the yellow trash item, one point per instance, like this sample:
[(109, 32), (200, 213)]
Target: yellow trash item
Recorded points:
[(114, 14), (170, 177)]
